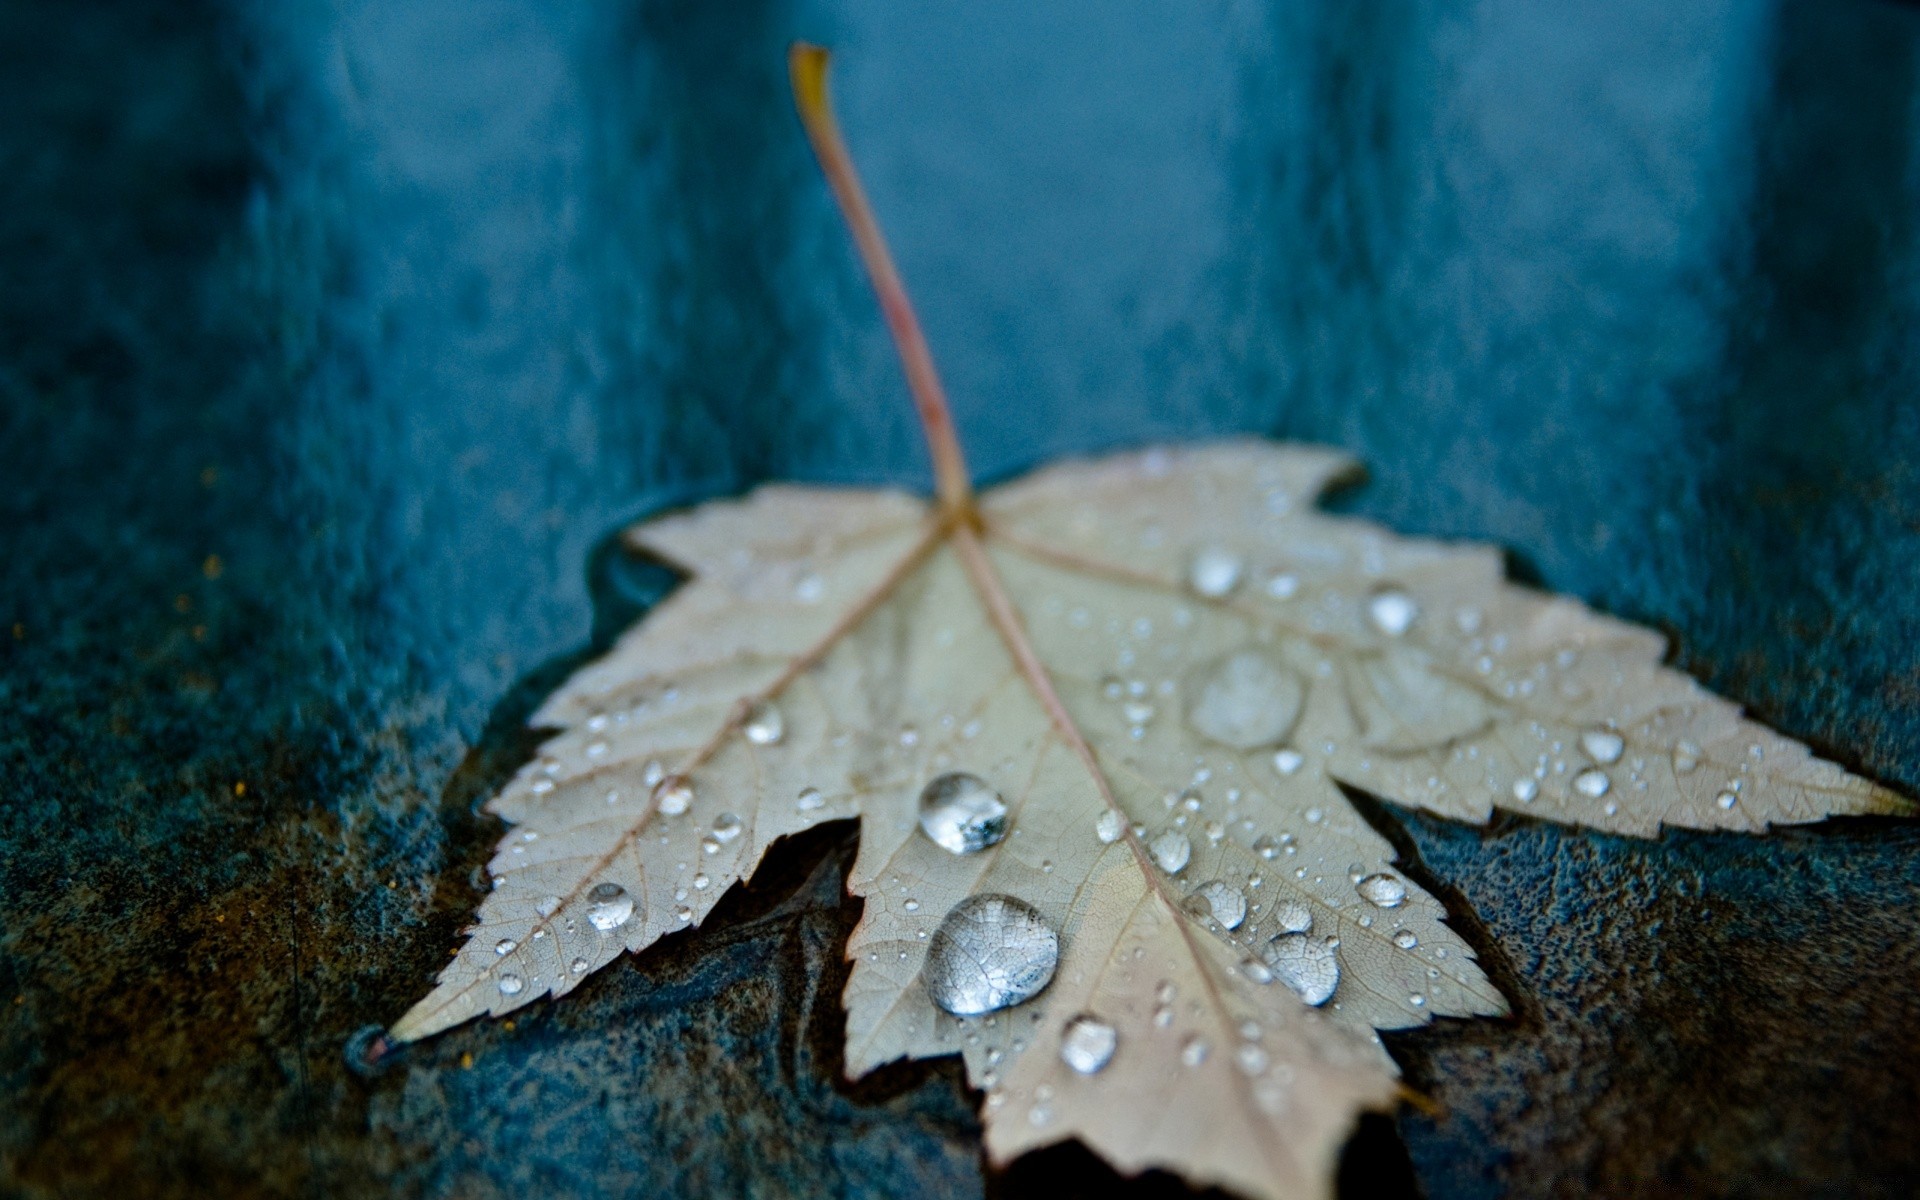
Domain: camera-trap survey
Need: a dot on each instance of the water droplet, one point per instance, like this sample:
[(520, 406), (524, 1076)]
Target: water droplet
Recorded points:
[(1283, 586), (1194, 1051), (505, 946), (961, 813), (1251, 1059), (1172, 850), (1256, 971), (1392, 611), (1287, 761), (1417, 1000), (1266, 847), (1603, 746), (765, 725), (1382, 890), (1214, 572), (578, 966), (547, 906), (1291, 916), (683, 914), (810, 799), (1246, 700), (1406, 939), (991, 952), (1525, 789), (701, 883), (1137, 712), (1726, 800), (1109, 827), (673, 795), (1087, 1044), (727, 827), (1686, 757), (608, 907), (1221, 901), (1309, 967), (510, 985), (809, 588), (1592, 783)]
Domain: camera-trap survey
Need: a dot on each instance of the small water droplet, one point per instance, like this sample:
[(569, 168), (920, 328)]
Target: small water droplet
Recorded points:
[(1087, 1044), (510, 985), (1382, 890), (547, 906), (1109, 826), (1525, 789), (1283, 586), (505, 946), (608, 907), (1291, 916), (1214, 572), (1686, 757), (1406, 939), (673, 795), (991, 952), (1251, 1059), (765, 724), (1246, 700), (1311, 968), (1172, 850), (1287, 761), (1266, 847), (1603, 746), (1592, 783), (727, 827), (578, 966), (683, 914), (1392, 611), (1726, 800), (1417, 1000), (961, 813), (1194, 1051), (1137, 712), (810, 800), (809, 588), (1221, 901), (701, 883)]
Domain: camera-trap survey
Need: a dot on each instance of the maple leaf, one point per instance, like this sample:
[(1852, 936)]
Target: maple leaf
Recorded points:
[(1094, 726)]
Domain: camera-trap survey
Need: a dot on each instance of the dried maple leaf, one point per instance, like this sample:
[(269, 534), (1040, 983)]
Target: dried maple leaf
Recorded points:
[(1094, 727)]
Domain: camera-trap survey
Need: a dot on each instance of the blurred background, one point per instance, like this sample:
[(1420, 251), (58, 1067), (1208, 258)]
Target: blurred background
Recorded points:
[(337, 339)]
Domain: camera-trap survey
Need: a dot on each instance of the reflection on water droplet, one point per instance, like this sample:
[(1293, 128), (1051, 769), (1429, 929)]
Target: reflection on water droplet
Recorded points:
[(1406, 939), (1603, 746), (1194, 1051), (765, 725), (1246, 700), (505, 946), (1291, 916), (1384, 891), (810, 799), (1172, 850), (673, 795), (578, 966), (1214, 572), (1287, 761), (1525, 789), (1109, 827), (1311, 968), (1266, 846), (547, 906), (727, 827), (961, 813), (608, 907), (1726, 800), (510, 985), (1592, 784), (1392, 611), (683, 914), (1087, 1044), (1221, 901), (991, 952)]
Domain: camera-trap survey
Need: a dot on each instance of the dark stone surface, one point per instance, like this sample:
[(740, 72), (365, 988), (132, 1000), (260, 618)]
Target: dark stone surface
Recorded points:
[(335, 340)]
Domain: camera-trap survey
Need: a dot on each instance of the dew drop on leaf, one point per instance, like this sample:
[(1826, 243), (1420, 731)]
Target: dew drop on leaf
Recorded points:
[(1246, 700), (1382, 890), (1251, 1059), (1525, 789), (1392, 611), (1221, 901), (1311, 968), (726, 827), (1592, 784), (1726, 800), (673, 795), (1291, 916), (1109, 827), (505, 946), (510, 985), (961, 813), (1194, 1051), (765, 725), (1603, 746), (1214, 572), (1287, 761), (608, 907), (1172, 850), (991, 952), (1406, 939), (1087, 1044)]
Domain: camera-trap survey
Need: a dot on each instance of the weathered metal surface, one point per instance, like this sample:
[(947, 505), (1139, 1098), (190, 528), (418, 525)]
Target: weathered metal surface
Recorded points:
[(335, 341)]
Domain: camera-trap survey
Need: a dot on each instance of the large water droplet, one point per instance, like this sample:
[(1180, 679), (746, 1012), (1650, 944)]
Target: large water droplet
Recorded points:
[(991, 952), (1221, 901), (608, 907), (961, 813), (1214, 572), (510, 985), (673, 795), (1246, 700), (1172, 850), (765, 725), (1109, 827), (1309, 967), (1392, 611), (1592, 784), (726, 827), (1087, 1044), (1385, 891), (1603, 746)]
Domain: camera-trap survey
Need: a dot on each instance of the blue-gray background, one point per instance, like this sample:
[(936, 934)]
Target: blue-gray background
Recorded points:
[(336, 338)]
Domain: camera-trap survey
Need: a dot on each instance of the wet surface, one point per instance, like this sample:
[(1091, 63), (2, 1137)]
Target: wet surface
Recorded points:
[(335, 341)]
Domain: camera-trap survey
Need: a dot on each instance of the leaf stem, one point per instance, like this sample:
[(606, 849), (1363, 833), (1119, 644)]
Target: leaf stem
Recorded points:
[(807, 66)]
